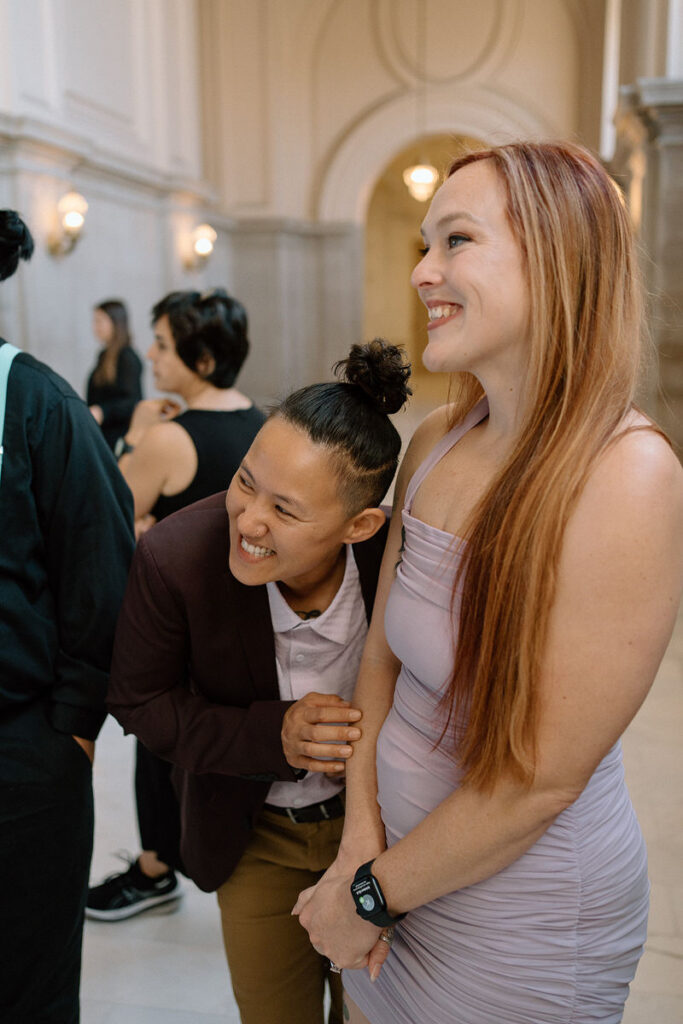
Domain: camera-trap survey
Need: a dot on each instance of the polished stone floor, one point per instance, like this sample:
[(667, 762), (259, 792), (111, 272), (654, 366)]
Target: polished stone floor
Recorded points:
[(163, 968)]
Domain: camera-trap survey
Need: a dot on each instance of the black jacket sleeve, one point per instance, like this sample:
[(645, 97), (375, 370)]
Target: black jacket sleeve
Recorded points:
[(86, 515)]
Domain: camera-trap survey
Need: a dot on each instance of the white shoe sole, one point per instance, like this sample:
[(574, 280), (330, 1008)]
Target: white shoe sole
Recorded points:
[(134, 908)]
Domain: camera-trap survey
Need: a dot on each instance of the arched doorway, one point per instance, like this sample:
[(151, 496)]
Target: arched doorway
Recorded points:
[(392, 243)]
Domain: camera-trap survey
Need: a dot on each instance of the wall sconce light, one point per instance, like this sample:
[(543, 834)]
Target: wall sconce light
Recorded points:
[(203, 239), (72, 208)]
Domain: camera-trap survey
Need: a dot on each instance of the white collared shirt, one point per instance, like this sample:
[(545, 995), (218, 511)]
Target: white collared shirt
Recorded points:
[(320, 654)]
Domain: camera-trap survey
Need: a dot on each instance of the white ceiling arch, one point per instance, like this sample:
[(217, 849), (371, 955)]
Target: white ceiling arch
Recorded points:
[(360, 158)]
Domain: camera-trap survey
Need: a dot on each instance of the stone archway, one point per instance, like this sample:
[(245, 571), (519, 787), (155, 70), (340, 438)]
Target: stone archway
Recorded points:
[(359, 160)]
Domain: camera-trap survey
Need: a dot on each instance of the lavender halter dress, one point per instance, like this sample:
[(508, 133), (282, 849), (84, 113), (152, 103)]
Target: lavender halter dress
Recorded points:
[(556, 936)]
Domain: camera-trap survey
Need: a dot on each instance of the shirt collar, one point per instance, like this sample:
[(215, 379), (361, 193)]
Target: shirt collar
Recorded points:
[(335, 622)]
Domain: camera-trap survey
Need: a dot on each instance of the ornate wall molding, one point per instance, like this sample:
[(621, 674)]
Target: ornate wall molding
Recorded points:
[(477, 111), (490, 27), (37, 146)]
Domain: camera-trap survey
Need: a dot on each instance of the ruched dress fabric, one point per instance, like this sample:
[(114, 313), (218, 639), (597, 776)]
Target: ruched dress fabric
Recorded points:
[(555, 937)]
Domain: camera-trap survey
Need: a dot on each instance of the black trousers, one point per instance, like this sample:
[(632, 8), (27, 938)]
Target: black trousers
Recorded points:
[(46, 832), (157, 807)]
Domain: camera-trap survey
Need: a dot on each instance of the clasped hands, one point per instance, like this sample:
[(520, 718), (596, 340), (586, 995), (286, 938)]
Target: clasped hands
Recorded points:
[(317, 734), (328, 913)]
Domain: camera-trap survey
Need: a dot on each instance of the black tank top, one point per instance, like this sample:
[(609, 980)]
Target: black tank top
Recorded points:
[(221, 440)]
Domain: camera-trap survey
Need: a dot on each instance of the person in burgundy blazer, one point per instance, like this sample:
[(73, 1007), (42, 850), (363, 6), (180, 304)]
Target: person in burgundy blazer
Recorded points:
[(194, 677), (235, 658)]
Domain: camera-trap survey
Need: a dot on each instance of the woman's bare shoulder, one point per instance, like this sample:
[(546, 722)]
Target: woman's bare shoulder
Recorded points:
[(639, 463), (166, 436), (635, 489), (430, 431)]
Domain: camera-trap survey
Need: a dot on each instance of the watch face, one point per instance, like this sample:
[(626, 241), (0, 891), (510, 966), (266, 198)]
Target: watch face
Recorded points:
[(368, 896), (367, 903)]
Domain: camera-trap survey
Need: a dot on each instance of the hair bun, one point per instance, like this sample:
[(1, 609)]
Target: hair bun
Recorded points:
[(16, 242), (378, 368)]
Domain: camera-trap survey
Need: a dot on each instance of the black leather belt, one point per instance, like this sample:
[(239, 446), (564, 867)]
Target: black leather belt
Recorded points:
[(333, 808)]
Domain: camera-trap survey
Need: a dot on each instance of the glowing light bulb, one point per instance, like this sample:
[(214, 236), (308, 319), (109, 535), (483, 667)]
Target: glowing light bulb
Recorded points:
[(203, 246), (203, 239), (73, 221), (421, 181)]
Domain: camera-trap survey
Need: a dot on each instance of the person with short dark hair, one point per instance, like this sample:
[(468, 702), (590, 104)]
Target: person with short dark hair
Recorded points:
[(114, 387), (173, 453), (236, 654), (66, 538), (170, 459), (209, 324)]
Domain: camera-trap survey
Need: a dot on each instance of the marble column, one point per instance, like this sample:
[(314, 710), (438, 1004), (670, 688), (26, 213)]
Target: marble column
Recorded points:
[(301, 283), (649, 164)]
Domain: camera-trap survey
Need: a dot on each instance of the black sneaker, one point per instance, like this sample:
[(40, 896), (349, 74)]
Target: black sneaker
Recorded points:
[(130, 892)]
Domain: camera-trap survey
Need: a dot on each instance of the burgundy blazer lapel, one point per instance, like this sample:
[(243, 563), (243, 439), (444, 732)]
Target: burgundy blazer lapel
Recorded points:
[(250, 613)]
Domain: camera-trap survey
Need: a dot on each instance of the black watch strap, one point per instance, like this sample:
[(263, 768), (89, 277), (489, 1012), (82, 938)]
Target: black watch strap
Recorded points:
[(369, 898)]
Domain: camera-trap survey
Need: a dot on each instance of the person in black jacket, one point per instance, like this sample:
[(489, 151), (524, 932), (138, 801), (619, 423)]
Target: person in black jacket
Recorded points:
[(114, 387), (66, 538)]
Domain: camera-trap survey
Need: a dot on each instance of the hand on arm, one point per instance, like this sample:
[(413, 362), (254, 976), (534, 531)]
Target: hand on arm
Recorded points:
[(148, 414), (308, 734)]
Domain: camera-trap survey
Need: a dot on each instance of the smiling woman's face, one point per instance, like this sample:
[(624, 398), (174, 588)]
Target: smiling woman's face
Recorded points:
[(472, 276), (287, 520)]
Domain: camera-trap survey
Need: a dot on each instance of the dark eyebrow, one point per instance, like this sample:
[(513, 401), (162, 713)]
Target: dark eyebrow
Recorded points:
[(281, 498), (456, 215)]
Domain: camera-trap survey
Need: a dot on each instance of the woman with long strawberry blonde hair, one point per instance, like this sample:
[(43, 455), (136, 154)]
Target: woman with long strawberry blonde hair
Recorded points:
[(528, 592)]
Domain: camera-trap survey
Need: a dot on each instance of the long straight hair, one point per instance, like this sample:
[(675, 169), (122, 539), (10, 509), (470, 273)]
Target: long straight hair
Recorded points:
[(105, 371), (585, 352)]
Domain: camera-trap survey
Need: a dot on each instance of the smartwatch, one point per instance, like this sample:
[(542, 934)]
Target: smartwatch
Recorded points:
[(369, 898), (122, 448)]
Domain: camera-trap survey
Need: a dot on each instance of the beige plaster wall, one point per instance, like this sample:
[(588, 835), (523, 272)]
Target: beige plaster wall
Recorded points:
[(325, 90), (101, 96), (275, 120)]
